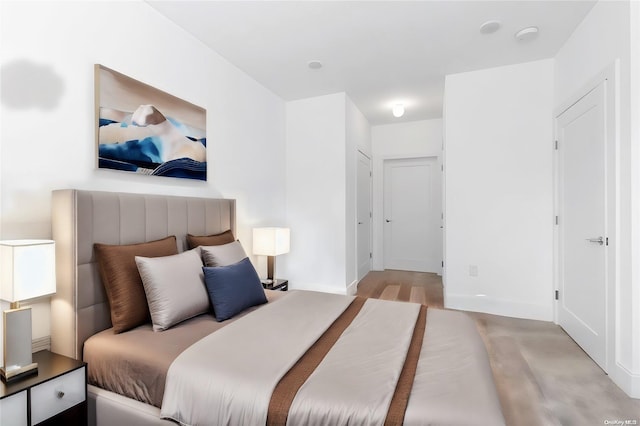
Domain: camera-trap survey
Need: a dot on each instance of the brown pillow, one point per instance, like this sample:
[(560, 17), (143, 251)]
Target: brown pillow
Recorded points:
[(122, 281), (225, 237)]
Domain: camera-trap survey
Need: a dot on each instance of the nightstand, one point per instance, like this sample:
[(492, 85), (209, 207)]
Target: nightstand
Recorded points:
[(57, 395), (278, 285)]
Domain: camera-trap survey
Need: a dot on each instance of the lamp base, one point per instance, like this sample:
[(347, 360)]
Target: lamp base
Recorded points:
[(18, 360), (16, 373)]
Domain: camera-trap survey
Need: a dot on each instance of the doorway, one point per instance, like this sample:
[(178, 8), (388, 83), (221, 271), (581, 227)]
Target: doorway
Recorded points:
[(363, 229), (585, 221), (412, 214)]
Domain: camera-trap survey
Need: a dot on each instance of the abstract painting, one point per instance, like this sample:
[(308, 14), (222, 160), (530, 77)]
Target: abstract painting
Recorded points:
[(144, 130)]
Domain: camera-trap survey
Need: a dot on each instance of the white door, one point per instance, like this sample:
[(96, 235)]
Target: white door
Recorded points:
[(412, 215), (582, 223), (364, 215)]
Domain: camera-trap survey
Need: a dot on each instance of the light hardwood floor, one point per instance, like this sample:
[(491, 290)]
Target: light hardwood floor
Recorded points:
[(542, 375), (405, 286)]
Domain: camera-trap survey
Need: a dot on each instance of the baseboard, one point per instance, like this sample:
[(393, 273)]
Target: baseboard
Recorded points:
[(503, 307), (626, 380), (320, 288), (352, 288)]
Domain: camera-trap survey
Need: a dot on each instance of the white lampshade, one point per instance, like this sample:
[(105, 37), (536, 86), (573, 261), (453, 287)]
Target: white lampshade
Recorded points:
[(270, 241), (27, 269)]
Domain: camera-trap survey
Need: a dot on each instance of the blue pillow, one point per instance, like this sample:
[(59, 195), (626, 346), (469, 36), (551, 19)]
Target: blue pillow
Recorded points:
[(233, 288)]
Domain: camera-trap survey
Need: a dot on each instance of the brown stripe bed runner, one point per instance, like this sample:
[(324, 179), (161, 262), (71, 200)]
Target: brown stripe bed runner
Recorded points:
[(286, 390), (398, 406)]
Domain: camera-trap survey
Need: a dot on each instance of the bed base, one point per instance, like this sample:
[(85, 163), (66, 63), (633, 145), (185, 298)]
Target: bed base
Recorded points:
[(108, 408)]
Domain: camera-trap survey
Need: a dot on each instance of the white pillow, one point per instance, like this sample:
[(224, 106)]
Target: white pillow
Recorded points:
[(223, 255), (174, 286)]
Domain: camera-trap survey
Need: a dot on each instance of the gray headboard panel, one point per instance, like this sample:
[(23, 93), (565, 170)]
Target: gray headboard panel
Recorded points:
[(79, 308)]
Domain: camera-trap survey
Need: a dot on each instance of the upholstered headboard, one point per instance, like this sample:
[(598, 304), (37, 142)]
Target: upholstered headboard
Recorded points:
[(79, 308)]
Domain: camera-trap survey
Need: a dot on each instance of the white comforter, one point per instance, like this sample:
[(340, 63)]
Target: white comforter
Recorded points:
[(228, 377)]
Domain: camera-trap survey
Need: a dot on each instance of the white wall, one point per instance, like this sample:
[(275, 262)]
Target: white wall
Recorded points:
[(316, 193), (49, 143), (323, 136), (634, 304), (498, 190), (609, 33), (392, 141)]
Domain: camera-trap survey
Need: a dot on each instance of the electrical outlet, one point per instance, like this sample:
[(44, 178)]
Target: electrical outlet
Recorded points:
[(473, 270)]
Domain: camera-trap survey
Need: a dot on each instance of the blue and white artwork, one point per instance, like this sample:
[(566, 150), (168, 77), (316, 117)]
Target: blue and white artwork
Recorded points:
[(147, 131)]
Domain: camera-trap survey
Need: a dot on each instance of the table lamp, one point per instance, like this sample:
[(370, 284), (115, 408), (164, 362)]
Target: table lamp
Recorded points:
[(270, 242), (27, 271)]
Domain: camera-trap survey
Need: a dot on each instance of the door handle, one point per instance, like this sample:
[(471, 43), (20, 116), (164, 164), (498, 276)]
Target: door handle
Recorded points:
[(598, 240), (387, 220), (360, 223)]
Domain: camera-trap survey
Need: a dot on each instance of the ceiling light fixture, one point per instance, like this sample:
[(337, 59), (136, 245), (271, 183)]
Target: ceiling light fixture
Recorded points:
[(398, 110), (526, 34), (314, 65), (490, 27)]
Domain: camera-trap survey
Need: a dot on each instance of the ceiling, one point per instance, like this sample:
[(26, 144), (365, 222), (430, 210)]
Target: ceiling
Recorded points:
[(379, 52)]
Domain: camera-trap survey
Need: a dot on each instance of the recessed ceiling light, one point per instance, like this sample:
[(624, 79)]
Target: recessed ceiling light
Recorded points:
[(527, 34), (314, 65), (490, 27), (398, 110)]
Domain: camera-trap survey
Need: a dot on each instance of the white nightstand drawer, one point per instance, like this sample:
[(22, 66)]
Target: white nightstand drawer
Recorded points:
[(57, 395), (13, 409)]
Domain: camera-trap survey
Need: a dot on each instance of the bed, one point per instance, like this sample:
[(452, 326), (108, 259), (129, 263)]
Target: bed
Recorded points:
[(335, 360)]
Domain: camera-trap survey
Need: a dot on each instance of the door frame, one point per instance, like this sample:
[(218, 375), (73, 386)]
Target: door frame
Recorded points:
[(381, 213), (359, 151), (608, 77)]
